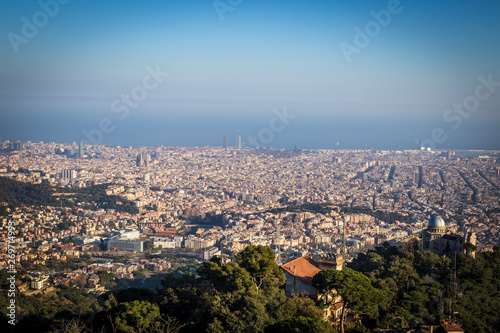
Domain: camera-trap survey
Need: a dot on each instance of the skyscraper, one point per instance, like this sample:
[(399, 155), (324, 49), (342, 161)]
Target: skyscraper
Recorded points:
[(17, 145), (69, 174), (139, 161), (224, 141), (80, 150), (238, 142)]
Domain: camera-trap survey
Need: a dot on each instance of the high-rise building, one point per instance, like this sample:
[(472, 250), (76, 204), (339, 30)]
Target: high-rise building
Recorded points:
[(361, 175), (224, 142), (139, 161), (80, 150), (17, 145), (69, 174), (238, 142), (415, 177)]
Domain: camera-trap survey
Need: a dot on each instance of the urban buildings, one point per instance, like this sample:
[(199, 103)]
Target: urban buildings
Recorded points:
[(246, 195)]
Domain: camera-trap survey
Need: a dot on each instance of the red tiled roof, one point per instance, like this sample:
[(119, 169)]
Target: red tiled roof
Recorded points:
[(452, 328), (337, 306), (303, 268), (166, 232)]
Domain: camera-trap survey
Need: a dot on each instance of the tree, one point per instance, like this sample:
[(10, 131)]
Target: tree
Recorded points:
[(259, 261), (137, 315), (106, 279), (403, 273), (469, 248), (426, 262), (354, 287), (237, 312), (300, 325), (169, 325), (227, 277), (81, 280), (183, 297), (74, 325), (102, 246)]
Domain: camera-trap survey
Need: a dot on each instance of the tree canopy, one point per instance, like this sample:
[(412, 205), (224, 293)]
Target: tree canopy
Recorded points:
[(260, 262), (385, 288), (354, 287)]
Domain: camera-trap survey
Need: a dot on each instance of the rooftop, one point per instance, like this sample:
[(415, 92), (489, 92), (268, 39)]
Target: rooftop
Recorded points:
[(437, 222), (305, 268)]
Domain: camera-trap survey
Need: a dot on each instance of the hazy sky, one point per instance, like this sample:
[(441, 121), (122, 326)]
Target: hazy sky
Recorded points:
[(360, 73)]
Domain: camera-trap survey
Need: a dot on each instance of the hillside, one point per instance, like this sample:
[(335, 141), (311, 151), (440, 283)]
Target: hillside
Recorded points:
[(399, 288), (18, 193)]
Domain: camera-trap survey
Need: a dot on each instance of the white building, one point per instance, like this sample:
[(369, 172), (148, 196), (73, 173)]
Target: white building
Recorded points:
[(39, 282), (125, 234), (210, 252), (69, 174), (166, 242)]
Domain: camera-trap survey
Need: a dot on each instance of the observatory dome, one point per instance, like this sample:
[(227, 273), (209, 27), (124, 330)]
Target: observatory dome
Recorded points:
[(437, 222)]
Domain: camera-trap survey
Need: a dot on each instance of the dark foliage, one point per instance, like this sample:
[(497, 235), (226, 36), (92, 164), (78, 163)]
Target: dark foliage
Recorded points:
[(18, 193), (388, 287)]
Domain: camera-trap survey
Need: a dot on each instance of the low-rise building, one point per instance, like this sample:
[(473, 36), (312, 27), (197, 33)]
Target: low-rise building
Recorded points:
[(39, 282), (210, 252), (126, 245)]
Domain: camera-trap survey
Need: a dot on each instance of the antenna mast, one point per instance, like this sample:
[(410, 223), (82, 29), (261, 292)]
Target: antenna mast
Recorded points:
[(277, 241), (422, 247), (344, 232)]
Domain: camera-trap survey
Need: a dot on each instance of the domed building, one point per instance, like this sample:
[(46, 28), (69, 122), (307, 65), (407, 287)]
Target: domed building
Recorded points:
[(437, 225), (437, 239)]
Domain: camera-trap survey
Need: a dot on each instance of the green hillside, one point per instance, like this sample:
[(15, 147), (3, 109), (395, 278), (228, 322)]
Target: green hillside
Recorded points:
[(18, 193), (386, 288)]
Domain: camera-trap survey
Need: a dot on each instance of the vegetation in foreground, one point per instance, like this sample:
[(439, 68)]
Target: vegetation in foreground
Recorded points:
[(385, 288)]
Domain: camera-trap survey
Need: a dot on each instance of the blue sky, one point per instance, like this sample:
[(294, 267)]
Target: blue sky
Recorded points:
[(226, 76)]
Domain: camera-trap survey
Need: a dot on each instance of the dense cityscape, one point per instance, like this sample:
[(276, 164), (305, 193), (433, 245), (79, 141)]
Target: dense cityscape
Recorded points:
[(196, 203)]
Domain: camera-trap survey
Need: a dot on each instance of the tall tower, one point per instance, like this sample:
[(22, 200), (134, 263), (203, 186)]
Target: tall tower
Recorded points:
[(80, 150), (470, 237), (277, 240), (238, 142), (139, 161), (224, 142), (344, 233)]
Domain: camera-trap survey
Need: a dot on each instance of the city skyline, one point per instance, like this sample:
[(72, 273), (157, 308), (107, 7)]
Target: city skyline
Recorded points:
[(367, 74)]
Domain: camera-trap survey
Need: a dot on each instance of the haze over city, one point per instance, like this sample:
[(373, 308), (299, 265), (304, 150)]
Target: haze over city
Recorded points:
[(360, 74)]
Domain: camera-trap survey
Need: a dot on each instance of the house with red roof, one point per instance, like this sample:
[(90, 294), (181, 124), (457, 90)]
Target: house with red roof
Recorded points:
[(299, 274)]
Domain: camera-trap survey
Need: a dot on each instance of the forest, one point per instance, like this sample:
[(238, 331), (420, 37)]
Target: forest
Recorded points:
[(18, 193), (384, 288), (392, 287)]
